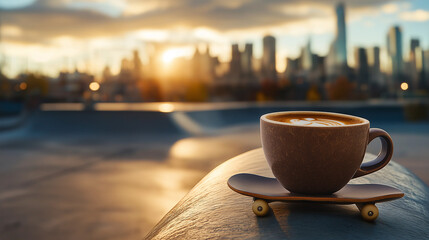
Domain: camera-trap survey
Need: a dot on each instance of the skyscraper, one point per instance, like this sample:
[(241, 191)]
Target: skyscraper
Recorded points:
[(269, 57), (137, 65), (414, 43), (203, 66), (292, 67), (306, 57), (341, 44), (331, 66), (417, 68), (414, 71), (235, 64), (374, 59), (394, 50), (374, 66), (419, 64), (336, 61), (426, 69), (246, 59), (362, 69)]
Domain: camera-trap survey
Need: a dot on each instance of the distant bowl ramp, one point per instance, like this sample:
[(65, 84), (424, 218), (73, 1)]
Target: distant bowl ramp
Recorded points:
[(188, 119), (124, 122), (12, 122), (100, 123)]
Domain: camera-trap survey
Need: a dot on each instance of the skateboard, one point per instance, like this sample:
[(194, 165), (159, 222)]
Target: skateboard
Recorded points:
[(265, 190)]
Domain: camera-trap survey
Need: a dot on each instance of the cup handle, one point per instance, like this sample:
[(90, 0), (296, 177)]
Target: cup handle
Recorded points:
[(383, 157)]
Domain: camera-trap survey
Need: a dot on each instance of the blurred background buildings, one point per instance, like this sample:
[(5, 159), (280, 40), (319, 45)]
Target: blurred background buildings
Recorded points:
[(169, 75)]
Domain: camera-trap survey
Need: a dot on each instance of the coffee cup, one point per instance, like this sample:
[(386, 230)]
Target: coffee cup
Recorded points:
[(320, 152)]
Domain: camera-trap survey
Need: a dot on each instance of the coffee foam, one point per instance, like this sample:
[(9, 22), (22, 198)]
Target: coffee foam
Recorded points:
[(314, 119), (315, 122)]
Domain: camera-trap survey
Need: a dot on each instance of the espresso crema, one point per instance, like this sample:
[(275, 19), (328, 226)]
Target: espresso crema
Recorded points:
[(314, 120)]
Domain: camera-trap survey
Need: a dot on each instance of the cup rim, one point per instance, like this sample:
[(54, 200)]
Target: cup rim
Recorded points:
[(264, 118)]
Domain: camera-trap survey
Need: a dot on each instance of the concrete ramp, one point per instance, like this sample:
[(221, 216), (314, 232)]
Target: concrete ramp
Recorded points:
[(191, 119), (100, 123), (215, 119)]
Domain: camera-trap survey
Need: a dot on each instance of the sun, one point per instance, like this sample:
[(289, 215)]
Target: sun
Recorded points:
[(171, 54), (166, 107)]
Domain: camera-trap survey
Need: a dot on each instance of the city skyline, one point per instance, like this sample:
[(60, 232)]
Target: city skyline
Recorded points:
[(170, 75), (94, 53)]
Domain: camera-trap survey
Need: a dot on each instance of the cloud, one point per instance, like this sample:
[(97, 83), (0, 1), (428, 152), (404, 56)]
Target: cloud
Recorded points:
[(10, 31), (390, 8), (48, 19), (415, 16)]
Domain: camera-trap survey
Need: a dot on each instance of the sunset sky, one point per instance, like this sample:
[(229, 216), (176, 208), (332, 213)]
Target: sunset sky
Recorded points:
[(50, 35)]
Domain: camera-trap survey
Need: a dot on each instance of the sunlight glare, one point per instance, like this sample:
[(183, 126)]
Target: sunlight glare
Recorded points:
[(404, 86), (173, 53), (94, 86), (166, 107)]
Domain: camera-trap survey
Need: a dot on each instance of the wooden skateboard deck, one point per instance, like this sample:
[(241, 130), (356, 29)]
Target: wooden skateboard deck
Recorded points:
[(265, 190)]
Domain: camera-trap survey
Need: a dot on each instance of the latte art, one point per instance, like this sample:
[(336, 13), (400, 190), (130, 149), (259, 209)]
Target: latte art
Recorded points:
[(315, 122)]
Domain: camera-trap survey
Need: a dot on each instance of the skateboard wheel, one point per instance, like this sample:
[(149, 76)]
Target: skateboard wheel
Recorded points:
[(369, 212), (260, 207)]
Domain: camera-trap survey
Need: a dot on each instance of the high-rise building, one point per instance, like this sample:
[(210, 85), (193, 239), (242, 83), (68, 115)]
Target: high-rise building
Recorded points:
[(376, 59), (268, 67), (202, 65), (341, 43), (426, 69), (235, 64), (414, 43), (106, 74), (196, 64), (137, 65), (374, 66), (291, 67), (336, 61), (331, 67), (246, 59), (414, 71), (306, 57), (126, 66), (319, 72), (394, 50), (362, 68), (419, 64)]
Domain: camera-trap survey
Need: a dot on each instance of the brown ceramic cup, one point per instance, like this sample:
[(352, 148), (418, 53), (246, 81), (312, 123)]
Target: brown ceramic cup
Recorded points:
[(320, 159)]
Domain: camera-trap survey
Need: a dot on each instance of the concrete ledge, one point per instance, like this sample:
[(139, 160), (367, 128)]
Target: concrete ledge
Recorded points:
[(212, 210), (83, 123)]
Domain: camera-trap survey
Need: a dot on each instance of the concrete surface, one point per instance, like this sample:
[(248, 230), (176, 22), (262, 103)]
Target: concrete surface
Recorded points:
[(110, 175), (212, 210), (81, 185)]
